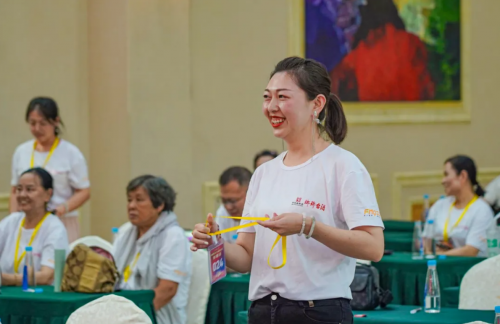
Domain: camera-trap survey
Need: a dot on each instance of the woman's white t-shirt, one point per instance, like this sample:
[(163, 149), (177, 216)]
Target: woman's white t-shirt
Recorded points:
[(66, 165), (470, 231), (337, 190), (50, 237)]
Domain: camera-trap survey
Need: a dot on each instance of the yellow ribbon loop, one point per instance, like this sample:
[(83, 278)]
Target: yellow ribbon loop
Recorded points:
[(52, 149), (445, 230), (278, 238)]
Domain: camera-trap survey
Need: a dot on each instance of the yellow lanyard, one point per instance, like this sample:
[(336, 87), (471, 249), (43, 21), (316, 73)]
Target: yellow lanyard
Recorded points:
[(52, 149), (127, 272), (445, 231), (17, 261), (278, 238)]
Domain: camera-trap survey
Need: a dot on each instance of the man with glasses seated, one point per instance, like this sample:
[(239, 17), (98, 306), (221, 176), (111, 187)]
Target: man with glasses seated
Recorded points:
[(233, 184)]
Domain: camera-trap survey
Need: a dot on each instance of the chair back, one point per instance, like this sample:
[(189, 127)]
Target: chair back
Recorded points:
[(199, 289), (480, 286), (92, 241)]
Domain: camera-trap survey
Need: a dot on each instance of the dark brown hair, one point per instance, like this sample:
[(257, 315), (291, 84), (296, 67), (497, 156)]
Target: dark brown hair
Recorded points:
[(48, 108), (312, 77)]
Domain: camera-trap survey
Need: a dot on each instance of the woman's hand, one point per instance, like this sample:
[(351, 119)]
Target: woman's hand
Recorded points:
[(284, 224), (60, 211), (201, 239)]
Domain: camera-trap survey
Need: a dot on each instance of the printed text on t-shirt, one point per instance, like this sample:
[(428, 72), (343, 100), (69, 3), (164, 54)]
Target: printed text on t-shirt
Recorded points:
[(308, 203)]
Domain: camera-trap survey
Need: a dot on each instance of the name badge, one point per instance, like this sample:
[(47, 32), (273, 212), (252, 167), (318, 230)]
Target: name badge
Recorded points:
[(216, 261)]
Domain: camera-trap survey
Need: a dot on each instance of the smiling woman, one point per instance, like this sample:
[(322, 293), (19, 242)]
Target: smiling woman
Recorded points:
[(317, 194), (32, 226), (60, 158), (462, 218)]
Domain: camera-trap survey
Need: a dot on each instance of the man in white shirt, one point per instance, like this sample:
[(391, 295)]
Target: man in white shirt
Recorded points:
[(233, 184)]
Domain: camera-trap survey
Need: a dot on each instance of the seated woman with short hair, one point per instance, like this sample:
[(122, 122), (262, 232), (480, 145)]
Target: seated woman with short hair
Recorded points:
[(32, 226), (462, 218), (154, 252)]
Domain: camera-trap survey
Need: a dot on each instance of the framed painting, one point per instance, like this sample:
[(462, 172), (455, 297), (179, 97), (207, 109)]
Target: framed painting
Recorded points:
[(390, 61)]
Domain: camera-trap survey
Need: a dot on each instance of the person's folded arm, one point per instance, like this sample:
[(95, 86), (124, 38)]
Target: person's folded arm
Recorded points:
[(164, 293), (467, 250)]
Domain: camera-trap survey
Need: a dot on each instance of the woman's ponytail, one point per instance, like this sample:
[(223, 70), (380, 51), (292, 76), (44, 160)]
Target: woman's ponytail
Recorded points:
[(335, 121)]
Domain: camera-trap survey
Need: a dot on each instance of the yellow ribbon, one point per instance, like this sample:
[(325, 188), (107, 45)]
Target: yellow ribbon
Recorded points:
[(445, 231), (52, 149), (127, 272), (17, 261), (278, 238)]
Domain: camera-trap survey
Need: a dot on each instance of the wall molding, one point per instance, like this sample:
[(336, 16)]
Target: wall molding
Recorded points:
[(4, 202), (401, 180)]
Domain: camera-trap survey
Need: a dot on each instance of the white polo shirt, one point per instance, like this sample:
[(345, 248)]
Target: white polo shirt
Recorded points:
[(66, 165), (51, 236), (226, 223), (470, 231), (337, 190)]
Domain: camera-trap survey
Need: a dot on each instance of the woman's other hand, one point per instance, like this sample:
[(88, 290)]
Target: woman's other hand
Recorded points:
[(201, 239), (285, 224)]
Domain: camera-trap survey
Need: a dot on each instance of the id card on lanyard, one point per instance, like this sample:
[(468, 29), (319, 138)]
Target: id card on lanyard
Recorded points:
[(216, 261)]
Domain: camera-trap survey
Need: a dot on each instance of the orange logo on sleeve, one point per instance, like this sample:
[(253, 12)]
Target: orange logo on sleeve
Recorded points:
[(371, 213)]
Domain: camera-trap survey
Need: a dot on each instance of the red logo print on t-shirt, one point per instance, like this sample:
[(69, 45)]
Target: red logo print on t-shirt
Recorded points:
[(308, 203)]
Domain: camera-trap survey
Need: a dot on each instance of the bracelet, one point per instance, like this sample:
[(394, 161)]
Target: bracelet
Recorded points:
[(303, 224), (312, 228)]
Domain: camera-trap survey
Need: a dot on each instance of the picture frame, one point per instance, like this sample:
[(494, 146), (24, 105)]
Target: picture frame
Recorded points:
[(414, 112)]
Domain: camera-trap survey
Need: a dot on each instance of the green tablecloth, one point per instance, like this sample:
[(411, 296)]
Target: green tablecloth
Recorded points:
[(228, 297), (398, 241), (398, 226), (450, 297), (405, 277), (397, 314), (18, 307)]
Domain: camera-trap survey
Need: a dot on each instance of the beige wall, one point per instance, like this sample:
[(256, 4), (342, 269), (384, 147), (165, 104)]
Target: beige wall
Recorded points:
[(43, 52), (174, 88)]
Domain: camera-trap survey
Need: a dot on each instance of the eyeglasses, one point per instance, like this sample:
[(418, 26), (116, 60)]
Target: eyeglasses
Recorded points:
[(229, 202)]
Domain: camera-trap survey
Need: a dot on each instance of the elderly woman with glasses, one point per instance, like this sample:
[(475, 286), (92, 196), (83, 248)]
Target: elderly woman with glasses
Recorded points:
[(153, 253)]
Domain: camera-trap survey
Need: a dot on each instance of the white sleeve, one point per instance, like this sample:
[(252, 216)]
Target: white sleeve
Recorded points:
[(78, 175), (3, 234), (15, 178), (358, 201), (173, 262), (56, 240), (492, 195), (248, 206), (476, 236)]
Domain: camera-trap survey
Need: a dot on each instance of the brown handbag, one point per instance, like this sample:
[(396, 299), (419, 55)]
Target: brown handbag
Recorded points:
[(87, 271)]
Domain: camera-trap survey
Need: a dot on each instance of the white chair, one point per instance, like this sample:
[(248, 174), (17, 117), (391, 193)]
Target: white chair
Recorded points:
[(199, 289), (92, 241), (481, 285)]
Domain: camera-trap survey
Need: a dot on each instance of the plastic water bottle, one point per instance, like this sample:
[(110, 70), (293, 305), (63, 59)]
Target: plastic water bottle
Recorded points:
[(114, 230), (497, 315), (418, 244), (29, 269), (493, 237), (430, 234), (425, 212), (432, 296)]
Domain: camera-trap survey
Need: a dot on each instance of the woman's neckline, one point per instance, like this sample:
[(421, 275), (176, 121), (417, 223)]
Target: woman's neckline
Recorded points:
[(298, 166)]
